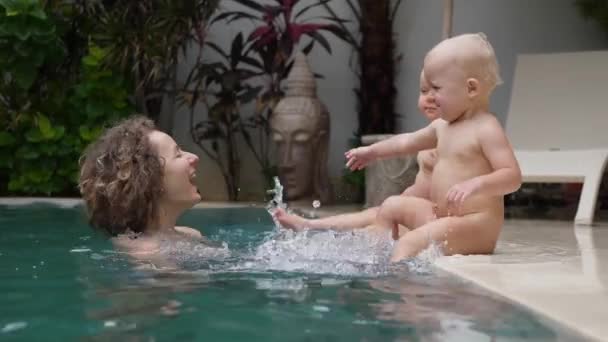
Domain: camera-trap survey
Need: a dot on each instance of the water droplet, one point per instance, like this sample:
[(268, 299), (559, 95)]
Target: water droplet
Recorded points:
[(34, 267), (13, 326), (320, 308), (316, 204), (96, 256), (109, 324), (80, 250), (16, 268), (42, 263)]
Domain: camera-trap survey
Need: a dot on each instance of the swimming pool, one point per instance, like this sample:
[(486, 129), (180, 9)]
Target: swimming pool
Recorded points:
[(61, 281)]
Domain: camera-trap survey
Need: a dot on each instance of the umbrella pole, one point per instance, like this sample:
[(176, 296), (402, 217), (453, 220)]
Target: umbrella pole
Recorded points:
[(448, 12)]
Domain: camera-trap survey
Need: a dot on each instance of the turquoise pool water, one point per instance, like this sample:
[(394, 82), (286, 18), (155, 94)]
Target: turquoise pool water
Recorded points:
[(61, 281)]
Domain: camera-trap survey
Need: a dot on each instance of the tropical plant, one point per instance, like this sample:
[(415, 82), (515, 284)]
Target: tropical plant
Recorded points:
[(54, 95), (224, 87), (374, 63), (596, 10), (146, 39), (221, 87)]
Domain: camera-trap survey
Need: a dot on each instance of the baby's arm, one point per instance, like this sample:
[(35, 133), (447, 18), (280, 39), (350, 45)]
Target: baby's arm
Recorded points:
[(421, 187), (406, 143), (506, 177)]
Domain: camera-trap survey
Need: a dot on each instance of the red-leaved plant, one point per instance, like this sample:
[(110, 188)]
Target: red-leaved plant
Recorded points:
[(281, 27)]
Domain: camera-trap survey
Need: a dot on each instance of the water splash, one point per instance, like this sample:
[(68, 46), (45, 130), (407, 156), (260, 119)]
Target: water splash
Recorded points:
[(10, 327), (200, 253), (323, 252), (423, 263), (277, 199), (355, 252), (359, 252)]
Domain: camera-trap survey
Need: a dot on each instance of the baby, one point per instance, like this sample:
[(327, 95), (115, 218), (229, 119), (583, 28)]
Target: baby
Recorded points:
[(475, 165), (420, 188)]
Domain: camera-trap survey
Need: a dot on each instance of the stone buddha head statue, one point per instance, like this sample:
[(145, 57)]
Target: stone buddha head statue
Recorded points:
[(300, 130)]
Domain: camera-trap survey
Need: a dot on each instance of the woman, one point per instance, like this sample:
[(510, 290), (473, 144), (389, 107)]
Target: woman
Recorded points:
[(136, 182)]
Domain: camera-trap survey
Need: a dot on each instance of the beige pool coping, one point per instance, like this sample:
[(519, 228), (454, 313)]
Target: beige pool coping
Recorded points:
[(555, 268)]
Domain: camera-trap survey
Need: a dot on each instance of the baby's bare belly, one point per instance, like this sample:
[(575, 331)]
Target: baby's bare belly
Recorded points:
[(446, 175)]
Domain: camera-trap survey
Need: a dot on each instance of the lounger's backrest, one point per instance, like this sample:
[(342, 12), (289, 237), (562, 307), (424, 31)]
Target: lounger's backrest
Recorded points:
[(559, 101)]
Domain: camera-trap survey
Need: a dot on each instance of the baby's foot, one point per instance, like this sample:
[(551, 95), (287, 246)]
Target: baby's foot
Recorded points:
[(290, 221)]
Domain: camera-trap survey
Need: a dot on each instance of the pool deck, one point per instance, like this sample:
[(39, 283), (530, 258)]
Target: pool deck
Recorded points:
[(555, 268)]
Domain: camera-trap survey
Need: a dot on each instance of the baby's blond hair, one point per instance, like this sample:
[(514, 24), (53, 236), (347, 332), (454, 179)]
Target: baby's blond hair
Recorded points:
[(475, 54)]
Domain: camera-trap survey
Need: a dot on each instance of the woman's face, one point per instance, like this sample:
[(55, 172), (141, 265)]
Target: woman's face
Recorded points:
[(179, 171)]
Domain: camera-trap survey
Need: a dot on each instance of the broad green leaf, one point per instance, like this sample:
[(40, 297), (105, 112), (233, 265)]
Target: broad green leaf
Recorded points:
[(6, 139), (33, 135), (59, 132), (38, 13), (15, 184), (44, 124), (25, 75)]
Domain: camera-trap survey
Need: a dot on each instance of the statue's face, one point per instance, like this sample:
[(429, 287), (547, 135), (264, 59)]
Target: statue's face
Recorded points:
[(295, 138)]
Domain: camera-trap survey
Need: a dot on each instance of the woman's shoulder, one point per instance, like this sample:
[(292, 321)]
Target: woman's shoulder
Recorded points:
[(136, 245), (189, 231)]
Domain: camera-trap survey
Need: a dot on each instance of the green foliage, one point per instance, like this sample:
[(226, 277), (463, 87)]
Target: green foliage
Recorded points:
[(101, 96), (226, 88), (49, 112), (28, 40), (596, 10), (68, 67), (145, 40), (355, 178), (252, 70)]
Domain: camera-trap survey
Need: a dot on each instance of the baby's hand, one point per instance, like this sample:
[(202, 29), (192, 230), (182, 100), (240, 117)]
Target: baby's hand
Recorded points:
[(358, 158), (459, 193)]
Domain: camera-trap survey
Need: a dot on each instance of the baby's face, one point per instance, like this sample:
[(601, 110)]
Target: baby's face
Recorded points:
[(448, 86), (426, 101)]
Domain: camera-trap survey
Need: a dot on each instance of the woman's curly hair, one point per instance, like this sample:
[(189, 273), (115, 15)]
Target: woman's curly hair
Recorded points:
[(121, 178)]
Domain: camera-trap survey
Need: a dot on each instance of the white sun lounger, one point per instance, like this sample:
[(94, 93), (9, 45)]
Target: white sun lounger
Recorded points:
[(558, 121)]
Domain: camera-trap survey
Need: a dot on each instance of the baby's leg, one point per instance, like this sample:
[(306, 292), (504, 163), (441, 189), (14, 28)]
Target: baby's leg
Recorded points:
[(411, 212), (345, 221), (470, 234)]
